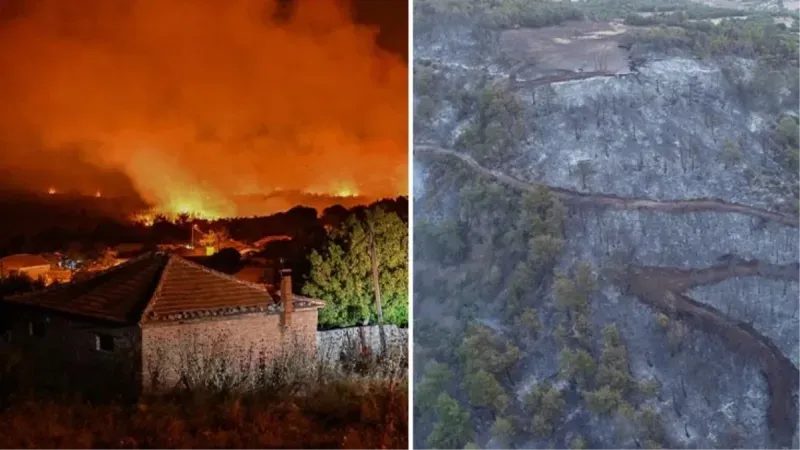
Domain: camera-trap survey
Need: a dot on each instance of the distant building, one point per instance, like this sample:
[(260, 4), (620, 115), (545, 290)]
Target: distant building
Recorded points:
[(58, 276), (53, 258), (150, 321), (32, 266), (129, 250), (264, 241), (254, 274)]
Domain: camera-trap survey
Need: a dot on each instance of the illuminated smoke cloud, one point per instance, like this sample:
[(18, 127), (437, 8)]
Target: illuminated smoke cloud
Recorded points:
[(192, 104)]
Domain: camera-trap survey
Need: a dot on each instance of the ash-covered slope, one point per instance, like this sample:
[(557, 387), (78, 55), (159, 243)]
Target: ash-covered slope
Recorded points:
[(501, 267)]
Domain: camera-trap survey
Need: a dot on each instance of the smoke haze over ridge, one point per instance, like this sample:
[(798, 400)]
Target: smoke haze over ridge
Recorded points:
[(193, 103)]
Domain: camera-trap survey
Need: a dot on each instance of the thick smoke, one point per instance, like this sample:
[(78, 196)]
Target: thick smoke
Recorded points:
[(198, 102)]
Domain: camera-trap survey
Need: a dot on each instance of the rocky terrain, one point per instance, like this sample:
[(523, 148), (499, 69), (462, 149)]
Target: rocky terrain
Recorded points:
[(626, 192)]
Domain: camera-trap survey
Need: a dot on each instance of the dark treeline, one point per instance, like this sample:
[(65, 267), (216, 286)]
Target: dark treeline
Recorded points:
[(69, 226)]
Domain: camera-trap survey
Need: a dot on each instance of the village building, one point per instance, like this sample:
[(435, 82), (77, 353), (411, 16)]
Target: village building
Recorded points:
[(261, 243), (254, 274), (25, 264), (129, 250), (155, 321)]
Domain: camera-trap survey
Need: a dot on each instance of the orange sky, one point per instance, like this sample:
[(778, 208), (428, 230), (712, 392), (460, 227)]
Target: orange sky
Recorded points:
[(197, 101)]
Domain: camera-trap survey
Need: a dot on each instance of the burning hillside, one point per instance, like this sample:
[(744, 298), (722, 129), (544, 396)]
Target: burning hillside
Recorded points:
[(210, 108)]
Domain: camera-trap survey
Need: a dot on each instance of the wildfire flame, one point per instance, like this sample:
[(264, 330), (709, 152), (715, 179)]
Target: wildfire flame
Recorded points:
[(343, 189), (194, 108), (52, 191), (146, 219)]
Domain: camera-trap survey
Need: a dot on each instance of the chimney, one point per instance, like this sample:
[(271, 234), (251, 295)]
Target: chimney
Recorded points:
[(286, 297)]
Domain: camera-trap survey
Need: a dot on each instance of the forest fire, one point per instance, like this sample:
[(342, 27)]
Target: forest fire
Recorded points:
[(192, 203), (202, 122)]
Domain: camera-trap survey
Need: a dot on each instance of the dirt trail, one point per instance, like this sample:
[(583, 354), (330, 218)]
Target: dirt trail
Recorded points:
[(664, 288), (617, 202), (550, 79), (682, 280)]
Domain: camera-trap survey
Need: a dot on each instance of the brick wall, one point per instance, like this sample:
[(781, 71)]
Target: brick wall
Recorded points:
[(64, 353), (225, 350)]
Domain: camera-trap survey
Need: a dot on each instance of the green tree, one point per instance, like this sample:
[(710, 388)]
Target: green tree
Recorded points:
[(441, 242), (613, 371), (651, 428), (484, 391), (503, 430), (453, 428), (528, 322), (437, 378), (482, 349), (788, 130), (574, 293), (578, 443), (546, 405), (543, 251), (498, 127), (576, 365), (603, 401), (341, 274)]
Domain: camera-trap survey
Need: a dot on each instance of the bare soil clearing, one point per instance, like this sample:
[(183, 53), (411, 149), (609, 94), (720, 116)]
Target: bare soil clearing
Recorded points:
[(574, 46)]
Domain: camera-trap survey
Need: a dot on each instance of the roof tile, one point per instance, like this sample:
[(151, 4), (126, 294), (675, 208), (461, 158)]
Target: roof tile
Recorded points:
[(158, 287)]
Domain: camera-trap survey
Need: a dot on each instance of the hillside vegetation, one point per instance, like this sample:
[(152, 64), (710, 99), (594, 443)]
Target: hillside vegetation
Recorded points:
[(559, 212)]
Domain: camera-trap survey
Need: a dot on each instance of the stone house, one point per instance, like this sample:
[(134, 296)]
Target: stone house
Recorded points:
[(156, 321)]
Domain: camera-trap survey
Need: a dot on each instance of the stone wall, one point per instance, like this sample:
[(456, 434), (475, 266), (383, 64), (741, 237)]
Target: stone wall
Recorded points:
[(330, 343)]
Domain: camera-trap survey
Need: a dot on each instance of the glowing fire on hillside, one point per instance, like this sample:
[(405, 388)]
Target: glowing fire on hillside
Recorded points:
[(206, 110), (192, 203)]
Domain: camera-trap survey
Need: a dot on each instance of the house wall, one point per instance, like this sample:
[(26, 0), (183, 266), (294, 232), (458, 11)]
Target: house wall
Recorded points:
[(229, 349), (66, 356)]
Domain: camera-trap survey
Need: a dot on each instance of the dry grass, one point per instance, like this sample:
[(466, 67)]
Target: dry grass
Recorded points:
[(345, 414), (293, 401)]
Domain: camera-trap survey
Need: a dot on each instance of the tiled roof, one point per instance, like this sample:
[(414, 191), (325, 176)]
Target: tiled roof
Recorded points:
[(306, 302), (189, 290), (155, 288), (115, 294)]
